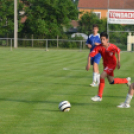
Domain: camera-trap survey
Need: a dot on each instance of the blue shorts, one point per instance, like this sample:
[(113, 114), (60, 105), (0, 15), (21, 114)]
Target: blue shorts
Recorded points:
[(96, 59)]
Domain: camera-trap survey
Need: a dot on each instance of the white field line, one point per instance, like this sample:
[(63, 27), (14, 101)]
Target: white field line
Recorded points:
[(67, 69)]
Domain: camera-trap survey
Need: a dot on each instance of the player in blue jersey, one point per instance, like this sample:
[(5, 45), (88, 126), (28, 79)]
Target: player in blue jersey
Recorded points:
[(92, 41)]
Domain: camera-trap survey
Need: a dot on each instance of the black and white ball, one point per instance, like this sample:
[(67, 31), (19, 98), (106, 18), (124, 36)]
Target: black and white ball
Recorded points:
[(65, 106)]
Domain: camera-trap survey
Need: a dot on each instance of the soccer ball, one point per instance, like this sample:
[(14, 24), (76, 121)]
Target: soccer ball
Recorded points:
[(65, 106)]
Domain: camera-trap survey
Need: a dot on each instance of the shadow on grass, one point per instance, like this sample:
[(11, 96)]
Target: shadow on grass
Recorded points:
[(63, 76), (49, 102), (47, 83), (26, 101), (83, 85), (108, 96), (74, 105), (48, 110), (72, 95), (103, 104)]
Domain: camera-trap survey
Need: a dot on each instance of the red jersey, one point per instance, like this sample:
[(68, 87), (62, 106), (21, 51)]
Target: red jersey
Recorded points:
[(108, 54)]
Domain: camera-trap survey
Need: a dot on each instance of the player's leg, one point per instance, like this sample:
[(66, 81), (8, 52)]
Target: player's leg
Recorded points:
[(96, 74), (113, 80), (93, 84), (101, 87), (96, 69), (129, 96), (108, 72)]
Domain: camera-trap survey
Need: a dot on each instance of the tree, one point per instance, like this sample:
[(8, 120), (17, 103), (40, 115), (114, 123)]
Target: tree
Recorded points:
[(7, 17), (75, 2), (87, 20), (119, 37), (48, 17)]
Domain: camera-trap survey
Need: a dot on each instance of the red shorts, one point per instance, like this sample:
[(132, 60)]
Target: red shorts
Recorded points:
[(109, 69)]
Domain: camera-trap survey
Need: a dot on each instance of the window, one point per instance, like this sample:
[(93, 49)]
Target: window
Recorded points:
[(98, 14)]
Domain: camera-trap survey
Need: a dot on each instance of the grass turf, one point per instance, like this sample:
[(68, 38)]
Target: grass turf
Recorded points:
[(32, 84)]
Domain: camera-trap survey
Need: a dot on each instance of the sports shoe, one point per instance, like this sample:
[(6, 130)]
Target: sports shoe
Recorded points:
[(124, 105), (94, 84), (96, 98), (129, 81)]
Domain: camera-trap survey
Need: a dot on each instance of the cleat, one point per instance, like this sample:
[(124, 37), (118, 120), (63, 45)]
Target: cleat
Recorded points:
[(129, 81), (124, 105), (94, 84), (96, 98)]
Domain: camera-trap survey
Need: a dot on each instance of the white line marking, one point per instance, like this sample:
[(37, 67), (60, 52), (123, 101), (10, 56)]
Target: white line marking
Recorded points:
[(73, 69), (65, 69)]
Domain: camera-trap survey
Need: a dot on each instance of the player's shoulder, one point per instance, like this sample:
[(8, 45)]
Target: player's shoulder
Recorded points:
[(113, 45), (91, 35), (98, 35)]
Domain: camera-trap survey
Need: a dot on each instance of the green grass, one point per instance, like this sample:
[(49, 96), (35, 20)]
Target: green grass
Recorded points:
[(32, 83)]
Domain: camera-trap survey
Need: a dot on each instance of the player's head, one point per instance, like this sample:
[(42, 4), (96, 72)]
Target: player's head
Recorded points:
[(95, 28), (104, 38)]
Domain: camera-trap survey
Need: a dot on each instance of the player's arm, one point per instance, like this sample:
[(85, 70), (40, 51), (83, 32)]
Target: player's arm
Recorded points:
[(88, 63), (89, 46), (88, 43), (118, 57), (92, 54), (97, 43), (118, 60)]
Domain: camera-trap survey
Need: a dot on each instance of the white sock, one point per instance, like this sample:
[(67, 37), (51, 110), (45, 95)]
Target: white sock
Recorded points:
[(98, 79), (95, 77), (128, 98)]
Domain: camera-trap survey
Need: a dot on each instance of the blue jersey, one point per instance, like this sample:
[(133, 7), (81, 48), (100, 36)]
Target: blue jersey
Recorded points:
[(92, 40)]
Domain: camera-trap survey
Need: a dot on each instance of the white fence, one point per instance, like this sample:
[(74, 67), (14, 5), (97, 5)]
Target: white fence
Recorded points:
[(49, 44), (44, 43)]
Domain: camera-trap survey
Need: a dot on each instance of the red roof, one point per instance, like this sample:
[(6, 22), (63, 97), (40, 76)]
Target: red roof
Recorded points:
[(74, 23), (103, 4), (23, 19)]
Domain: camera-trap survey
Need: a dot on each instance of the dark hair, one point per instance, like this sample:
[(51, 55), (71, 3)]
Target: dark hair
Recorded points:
[(104, 34), (95, 25)]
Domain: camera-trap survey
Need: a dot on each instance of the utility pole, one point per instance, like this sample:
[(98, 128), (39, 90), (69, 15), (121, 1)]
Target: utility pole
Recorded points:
[(107, 19), (15, 24)]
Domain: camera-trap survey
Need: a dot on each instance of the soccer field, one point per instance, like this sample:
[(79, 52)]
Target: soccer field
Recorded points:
[(32, 84)]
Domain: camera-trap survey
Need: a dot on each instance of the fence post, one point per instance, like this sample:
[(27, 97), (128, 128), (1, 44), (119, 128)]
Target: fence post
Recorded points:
[(7, 40), (11, 44), (32, 40), (57, 41), (46, 45), (81, 45)]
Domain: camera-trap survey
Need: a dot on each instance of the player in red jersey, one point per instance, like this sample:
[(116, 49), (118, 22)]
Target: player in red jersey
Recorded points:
[(107, 52)]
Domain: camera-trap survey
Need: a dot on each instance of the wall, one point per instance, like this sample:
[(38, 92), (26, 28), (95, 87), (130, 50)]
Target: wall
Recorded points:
[(103, 12)]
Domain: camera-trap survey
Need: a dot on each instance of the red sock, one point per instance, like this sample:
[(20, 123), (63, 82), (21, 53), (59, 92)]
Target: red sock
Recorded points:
[(120, 81), (101, 87)]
